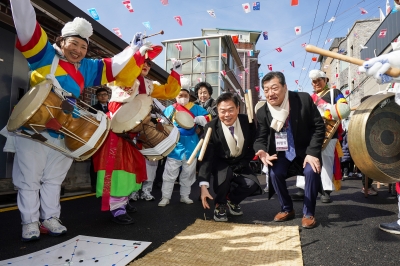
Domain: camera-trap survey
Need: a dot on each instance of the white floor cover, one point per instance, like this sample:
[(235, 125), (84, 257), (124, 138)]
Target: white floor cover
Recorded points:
[(84, 250)]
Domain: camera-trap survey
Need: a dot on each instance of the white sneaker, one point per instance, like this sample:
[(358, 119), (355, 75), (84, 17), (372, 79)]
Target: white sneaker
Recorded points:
[(164, 202), (53, 227), (147, 196), (134, 196), (186, 200), (30, 231)]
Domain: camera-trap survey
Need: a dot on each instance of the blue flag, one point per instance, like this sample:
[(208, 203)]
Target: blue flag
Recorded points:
[(265, 35), (260, 74), (93, 13), (256, 5), (198, 59), (147, 25)]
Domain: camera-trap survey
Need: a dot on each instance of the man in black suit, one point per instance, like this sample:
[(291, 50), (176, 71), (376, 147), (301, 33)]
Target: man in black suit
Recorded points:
[(101, 105), (227, 158), (290, 136)]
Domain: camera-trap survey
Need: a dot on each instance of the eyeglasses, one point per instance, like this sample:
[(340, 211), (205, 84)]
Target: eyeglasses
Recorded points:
[(102, 94)]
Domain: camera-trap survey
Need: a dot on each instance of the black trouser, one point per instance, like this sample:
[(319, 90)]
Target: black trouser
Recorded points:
[(242, 188)]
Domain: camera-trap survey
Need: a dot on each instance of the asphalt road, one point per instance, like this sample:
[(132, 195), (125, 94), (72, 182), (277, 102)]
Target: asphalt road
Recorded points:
[(347, 231)]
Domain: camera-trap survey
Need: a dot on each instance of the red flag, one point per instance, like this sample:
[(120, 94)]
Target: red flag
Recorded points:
[(128, 5), (178, 46), (314, 59), (235, 38), (297, 82), (164, 2), (382, 33), (224, 55), (336, 75), (223, 72), (279, 49), (294, 2), (178, 19), (363, 11), (292, 63), (269, 67)]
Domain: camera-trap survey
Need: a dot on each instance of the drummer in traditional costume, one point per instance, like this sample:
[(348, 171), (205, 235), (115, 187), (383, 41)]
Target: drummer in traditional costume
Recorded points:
[(332, 106), (187, 143), (120, 166), (36, 166)]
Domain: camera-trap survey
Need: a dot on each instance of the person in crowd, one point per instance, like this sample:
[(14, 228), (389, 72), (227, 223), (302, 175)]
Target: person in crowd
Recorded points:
[(227, 158), (203, 92), (289, 140), (101, 105), (346, 162)]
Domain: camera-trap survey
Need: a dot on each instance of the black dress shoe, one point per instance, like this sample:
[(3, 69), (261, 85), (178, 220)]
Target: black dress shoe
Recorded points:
[(130, 208), (123, 219)]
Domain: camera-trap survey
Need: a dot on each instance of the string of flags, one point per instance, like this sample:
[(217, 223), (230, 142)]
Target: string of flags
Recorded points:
[(128, 5), (164, 2), (265, 35), (279, 50), (93, 13), (292, 63), (207, 42), (178, 19), (246, 7), (297, 30), (250, 53), (363, 11), (147, 25), (332, 19), (117, 32), (178, 46), (212, 13), (269, 67)]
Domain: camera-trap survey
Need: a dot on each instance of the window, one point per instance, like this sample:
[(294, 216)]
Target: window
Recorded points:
[(199, 67), (343, 65), (212, 64), (172, 52), (212, 78), (195, 79), (200, 45), (186, 52), (215, 92), (213, 49)]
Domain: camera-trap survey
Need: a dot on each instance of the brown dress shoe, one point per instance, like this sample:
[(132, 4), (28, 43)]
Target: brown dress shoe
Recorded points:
[(308, 222), (284, 216)]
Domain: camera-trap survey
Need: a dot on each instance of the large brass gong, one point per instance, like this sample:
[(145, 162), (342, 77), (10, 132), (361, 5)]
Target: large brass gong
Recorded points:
[(374, 138)]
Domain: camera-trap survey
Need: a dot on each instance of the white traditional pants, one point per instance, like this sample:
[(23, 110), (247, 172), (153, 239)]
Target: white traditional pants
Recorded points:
[(328, 158), (39, 168), (151, 169), (171, 172)]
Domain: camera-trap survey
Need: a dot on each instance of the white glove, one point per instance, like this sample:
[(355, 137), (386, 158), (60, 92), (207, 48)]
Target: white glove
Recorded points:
[(200, 120), (376, 67), (177, 66), (137, 41), (145, 47)]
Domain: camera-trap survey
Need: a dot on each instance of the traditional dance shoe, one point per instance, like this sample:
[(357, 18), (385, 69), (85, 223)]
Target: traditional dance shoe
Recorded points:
[(284, 216), (308, 222), (147, 196), (186, 200), (53, 227), (123, 219), (234, 209), (130, 208), (298, 196), (164, 202), (30, 231), (220, 214), (393, 228)]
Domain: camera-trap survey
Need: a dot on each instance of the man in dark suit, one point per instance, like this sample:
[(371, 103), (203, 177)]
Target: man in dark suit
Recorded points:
[(101, 105), (227, 158), (290, 136)]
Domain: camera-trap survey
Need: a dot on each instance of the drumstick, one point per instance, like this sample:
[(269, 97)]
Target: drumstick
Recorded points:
[(196, 150), (246, 100), (161, 32), (205, 143), (187, 61), (394, 72), (251, 103)]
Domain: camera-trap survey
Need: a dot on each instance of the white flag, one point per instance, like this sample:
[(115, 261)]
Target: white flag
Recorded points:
[(297, 30), (332, 19), (388, 8), (211, 13), (381, 15)]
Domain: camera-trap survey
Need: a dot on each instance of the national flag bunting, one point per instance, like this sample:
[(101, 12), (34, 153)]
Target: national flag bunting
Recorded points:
[(250, 53), (117, 32), (260, 74), (223, 72), (265, 35), (292, 63), (256, 5), (246, 70), (224, 55), (246, 7), (328, 40), (207, 42), (304, 44), (128, 5), (278, 49), (93, 13), (178, 46), (297, 82), (294, 2), (147, 25), (332, 19), (314, 59), (382, 33), (235, 38), (198, 59), (178, 19), (269, 67), (388, 8), (363, 11), (164, 2), (297, 30), (211, 13)]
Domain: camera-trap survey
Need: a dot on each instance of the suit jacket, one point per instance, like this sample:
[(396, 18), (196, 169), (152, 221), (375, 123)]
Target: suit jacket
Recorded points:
[(98, 107), (217, 160), (307, 127)]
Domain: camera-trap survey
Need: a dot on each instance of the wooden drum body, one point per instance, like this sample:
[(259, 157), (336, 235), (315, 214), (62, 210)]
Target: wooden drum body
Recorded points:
[(374, 138), (330, 128)]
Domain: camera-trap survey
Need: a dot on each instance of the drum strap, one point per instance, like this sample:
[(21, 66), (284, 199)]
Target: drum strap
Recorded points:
[(181, 108)]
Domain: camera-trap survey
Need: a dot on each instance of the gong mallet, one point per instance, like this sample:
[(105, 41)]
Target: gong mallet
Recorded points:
[(160, 32), (205, 143), (247, 102), (394, 72), (251, 103), (187, 61), (196, 150)]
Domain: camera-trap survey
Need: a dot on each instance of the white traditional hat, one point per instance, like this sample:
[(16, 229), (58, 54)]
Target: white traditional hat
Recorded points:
[(78, 27), (316, 73), (185, 84)]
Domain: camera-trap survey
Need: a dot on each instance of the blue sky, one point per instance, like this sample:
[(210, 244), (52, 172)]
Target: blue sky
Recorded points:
[(276, 17)]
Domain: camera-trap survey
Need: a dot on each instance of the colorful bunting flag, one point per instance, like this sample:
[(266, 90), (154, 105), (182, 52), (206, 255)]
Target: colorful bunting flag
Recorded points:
[(246, 70), (250, 53), (269, 67), (303, 68), (314, 59), (164, 2), (198, 59), (235, 38), (147, 25), (178, 46), (382, 33), (224, 55), (388, 8), (265, 35), (260, 74), (93, 13), (336, 75), (328, 40), (128, 5), (292, 63), (332, 19), (223, 72), (199, 79), (207, 42), (246, 7), (256, 6), (297, 82), (178, 19), (211, 13), (117, 32), (278, 49), (363, 11), (240, 76), (294, 2), (297, 30)]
